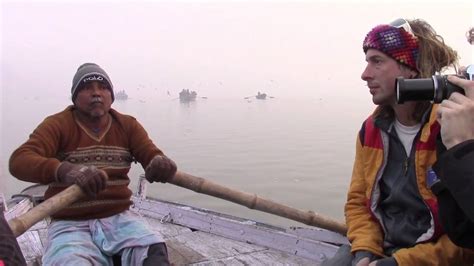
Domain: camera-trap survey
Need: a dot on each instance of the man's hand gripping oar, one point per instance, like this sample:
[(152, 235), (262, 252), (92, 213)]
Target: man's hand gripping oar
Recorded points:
[(84, 181)]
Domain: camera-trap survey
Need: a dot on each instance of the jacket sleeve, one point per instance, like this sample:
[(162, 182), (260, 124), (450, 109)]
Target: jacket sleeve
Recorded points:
[(441, 252), (455, 200), (456, 171), (35, 160), (457, 225), (364, 232), (141, 146)]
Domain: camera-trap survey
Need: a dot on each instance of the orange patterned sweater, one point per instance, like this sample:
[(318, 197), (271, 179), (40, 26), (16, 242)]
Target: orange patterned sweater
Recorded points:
[(61, 137)]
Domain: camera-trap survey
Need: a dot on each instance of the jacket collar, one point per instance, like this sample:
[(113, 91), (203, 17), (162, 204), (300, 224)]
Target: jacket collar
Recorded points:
[(429, 117)]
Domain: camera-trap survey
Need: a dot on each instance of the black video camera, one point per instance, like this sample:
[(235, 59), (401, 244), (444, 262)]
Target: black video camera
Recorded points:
[(436, 89)]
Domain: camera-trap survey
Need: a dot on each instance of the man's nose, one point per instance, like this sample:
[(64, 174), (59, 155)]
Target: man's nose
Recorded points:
[(96, 89), (366, 74)]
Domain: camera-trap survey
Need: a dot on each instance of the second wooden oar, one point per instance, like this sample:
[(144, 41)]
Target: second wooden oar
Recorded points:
[(252, 201), (20, 224)]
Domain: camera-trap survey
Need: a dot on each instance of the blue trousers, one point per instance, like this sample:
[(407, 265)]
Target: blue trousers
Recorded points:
[(95, 241)]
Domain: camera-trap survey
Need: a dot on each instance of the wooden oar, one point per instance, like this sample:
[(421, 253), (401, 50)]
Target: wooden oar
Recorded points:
[(252, 201), (20, 224)]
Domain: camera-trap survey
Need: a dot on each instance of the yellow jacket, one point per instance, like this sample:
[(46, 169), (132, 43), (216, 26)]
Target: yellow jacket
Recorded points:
[(364, 228)]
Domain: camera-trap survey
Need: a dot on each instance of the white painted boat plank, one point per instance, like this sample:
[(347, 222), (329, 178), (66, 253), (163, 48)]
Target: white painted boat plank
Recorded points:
[(180, 254), (319, 235), (200, 248), (31, 246), (21, 207), (43, 234), (266, 257), (187, 247), (276, 239), (238, 229), (43, 224), (167, 230), (215, 247)]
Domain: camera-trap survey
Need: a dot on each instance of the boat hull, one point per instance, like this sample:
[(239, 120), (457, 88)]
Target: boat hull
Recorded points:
[(199, 236)]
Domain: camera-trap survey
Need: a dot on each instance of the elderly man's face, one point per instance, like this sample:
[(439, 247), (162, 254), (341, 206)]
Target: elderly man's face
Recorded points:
[(94, 100)]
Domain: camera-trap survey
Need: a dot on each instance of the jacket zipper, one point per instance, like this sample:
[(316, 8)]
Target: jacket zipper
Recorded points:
[(406, 165)]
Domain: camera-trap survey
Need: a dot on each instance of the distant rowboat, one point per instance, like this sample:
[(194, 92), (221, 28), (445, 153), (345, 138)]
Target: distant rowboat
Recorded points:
[(470, 36), (259, 96), (121, 95), (187, 96)]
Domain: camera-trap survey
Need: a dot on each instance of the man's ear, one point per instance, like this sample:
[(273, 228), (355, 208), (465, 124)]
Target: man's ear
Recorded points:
[(408, 72), (413, 74)]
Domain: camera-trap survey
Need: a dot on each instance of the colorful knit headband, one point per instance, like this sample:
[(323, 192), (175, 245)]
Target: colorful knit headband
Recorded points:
[(395, 42)]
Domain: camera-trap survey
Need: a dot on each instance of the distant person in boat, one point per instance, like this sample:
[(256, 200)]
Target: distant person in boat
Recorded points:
[(454, 179), (92, 145), (391, 214), (10, 252), (470, 36)]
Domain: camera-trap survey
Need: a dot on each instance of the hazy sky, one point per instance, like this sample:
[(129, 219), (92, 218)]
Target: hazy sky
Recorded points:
[(225, 48), (221, 49)]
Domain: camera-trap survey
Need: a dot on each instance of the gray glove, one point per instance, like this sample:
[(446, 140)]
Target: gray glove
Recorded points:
[(359, 255), (90, 179), (160, 169)]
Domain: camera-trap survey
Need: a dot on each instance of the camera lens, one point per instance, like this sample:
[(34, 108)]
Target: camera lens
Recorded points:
[(415, 89), (435, 89)]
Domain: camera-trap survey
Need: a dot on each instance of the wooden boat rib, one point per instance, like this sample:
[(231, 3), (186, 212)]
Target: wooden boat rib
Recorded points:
[(196, 236)]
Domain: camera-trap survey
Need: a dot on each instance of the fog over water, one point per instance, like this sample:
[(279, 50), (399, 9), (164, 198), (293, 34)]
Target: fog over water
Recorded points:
[(296, 148)]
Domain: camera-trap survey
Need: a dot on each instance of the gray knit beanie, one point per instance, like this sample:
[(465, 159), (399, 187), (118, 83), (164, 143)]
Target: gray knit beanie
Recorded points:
[(90, 72)]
